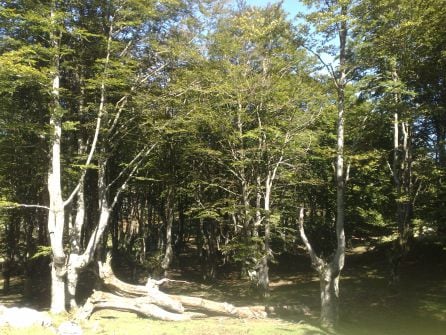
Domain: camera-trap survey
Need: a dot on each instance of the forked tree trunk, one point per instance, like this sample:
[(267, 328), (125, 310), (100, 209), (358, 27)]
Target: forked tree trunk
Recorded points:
[(329, 275), (405, 196), (75, 232)]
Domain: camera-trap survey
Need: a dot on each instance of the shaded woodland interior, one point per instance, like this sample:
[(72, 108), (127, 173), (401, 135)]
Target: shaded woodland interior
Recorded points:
[(217, 143)]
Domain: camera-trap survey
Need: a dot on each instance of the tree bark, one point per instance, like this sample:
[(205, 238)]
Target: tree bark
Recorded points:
[(329, 285)]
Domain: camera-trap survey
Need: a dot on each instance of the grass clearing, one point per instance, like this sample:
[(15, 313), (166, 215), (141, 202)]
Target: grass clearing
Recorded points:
[(108, 322), (368, 307)]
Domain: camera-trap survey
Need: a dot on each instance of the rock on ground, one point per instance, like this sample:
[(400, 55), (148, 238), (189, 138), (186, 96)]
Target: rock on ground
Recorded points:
[(69, 328), (22, 317)]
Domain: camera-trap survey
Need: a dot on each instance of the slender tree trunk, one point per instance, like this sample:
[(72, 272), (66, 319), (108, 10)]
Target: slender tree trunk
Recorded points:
[(211, 247), (12, 232), (402, 179), (402, 176), (56, 214), (75, 233), (330, 271), (258, 216), (263, 278), (169, 217)]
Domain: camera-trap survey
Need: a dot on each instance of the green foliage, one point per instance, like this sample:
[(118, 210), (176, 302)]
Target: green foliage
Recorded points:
[(42, 251), (230, 97), (245, 251)]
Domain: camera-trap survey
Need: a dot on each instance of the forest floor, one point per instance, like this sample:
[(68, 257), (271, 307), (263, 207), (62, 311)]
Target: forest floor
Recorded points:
[(368, 307)]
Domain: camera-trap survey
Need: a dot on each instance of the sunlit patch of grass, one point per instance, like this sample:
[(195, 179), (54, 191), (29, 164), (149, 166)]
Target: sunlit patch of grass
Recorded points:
[(108, 322), (25, 331), (435, 310), (368, 305), (433, 305)]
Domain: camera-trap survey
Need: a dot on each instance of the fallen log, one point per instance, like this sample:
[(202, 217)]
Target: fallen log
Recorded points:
[(123, 289), (141, 306), (147, 300), (222, 308)]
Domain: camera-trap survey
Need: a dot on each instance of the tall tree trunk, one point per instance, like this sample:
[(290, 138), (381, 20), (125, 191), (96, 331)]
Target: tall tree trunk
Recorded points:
[(330, 270), (56, 215), (402, 177), (75, 233), (263, 278), (330, 274), (209, 268), (169, 217)]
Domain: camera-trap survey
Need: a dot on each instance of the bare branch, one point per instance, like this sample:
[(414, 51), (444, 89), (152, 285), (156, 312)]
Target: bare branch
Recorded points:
[(347, 173), (326, 65), (137, 165), (393, 173), (14, 205), (134, 161), (315, 260), (101, 112)]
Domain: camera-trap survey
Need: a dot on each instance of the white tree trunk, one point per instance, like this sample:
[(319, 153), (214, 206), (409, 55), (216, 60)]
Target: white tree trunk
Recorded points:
[(263, 278), (75, 232), (329, 284), (169, 217), (56, 215)]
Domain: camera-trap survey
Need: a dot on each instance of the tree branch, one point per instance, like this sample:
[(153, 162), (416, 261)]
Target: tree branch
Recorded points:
[(14, 205), (315, 260)]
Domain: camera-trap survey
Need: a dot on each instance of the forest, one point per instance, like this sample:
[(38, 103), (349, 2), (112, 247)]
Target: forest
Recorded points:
[(287, 166)]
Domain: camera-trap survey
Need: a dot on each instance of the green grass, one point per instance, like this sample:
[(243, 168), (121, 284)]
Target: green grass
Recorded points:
[(109, 322), (368, 307)]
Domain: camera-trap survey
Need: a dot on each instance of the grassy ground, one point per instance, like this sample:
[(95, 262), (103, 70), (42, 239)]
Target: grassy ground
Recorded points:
[(122, 323), (369, 307)]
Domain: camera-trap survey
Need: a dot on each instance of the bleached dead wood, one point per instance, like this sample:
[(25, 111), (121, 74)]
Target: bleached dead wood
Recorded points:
[(149, 301), (141, 305), (124, 289), (222, 308)]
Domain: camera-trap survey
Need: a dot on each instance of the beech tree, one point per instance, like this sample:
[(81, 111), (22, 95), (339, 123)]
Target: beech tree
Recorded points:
[(400, 42), (250, 89), (194, 122), (331, 20), (107, 88)]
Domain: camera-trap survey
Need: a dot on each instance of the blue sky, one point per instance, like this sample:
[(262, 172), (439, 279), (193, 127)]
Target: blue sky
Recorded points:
[(291, 6)]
